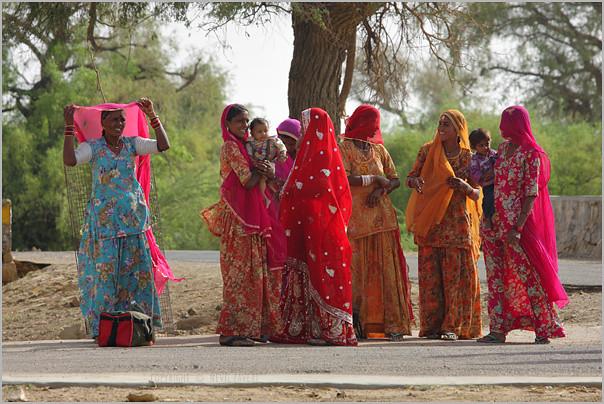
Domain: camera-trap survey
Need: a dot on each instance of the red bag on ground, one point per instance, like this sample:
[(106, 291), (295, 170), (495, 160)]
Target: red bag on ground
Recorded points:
[(125, 329)]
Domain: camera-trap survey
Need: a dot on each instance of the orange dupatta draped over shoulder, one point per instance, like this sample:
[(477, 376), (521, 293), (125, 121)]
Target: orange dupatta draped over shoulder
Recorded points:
[(428, 208)]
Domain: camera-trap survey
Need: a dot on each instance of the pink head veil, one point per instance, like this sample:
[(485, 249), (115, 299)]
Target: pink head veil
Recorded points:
[(291, 128), (249, 207), (539, 234), (87, 121)]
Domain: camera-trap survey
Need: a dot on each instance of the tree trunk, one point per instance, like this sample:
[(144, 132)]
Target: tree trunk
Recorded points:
[(319, 54)]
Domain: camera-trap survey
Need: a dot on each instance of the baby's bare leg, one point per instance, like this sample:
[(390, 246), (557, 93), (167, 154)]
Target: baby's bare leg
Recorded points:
[(262, 186)]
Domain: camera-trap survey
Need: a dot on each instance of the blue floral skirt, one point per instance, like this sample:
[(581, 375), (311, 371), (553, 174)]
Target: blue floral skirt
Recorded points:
[(113, 274)]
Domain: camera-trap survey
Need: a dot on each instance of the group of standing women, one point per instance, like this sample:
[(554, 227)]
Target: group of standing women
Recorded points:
[(332, 252), (322, 262)]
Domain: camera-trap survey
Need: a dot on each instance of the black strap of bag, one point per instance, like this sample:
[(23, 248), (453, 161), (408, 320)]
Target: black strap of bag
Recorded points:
[(113, 335)]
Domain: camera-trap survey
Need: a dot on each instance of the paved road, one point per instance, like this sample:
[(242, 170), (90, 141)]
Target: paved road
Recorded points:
[(572, 272), (195, 355)]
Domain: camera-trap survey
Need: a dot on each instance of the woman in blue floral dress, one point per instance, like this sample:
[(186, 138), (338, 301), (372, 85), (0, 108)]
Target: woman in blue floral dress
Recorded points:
[(114, 261)]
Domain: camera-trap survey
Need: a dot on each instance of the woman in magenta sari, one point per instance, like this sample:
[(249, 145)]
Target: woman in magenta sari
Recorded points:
[(520, 248), (252, 242)]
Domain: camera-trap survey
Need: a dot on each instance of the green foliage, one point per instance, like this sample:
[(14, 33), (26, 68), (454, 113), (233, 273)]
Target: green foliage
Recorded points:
[(575, 151), (403, 146), (186, 176)]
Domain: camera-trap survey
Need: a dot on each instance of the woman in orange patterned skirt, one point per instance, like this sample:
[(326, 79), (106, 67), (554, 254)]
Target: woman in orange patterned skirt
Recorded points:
[(444, 213), (252, 242), (380, 282)]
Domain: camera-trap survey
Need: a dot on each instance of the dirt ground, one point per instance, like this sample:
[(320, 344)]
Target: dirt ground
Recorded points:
[(44, 301), (302, 394)]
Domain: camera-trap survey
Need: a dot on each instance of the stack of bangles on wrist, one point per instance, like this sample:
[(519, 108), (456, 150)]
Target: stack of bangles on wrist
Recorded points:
[(155, 122), (69, 130), (367, 180)]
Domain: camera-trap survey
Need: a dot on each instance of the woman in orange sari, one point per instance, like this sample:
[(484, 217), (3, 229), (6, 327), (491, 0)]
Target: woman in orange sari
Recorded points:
[(252, 242), (380, 282), (443, 213)]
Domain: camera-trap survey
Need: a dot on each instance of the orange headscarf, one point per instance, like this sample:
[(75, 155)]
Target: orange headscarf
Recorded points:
[(428, 208)]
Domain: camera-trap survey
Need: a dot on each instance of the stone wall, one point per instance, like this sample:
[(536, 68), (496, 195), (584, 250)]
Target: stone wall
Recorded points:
[(578, 226)]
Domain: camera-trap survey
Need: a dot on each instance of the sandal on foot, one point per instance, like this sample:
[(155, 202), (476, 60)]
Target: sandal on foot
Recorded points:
[(492, 338), (542, 340), (317, 342), (432, 336), (235, 340), (449, 336), (263, 339), (395, 336)]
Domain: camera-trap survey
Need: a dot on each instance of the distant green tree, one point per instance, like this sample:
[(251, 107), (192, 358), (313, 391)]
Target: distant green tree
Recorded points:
[(550, 53), (131, 63), (556, 58)]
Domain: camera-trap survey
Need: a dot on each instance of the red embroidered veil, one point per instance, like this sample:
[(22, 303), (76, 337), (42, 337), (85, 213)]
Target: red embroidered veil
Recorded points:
[(315, 209)]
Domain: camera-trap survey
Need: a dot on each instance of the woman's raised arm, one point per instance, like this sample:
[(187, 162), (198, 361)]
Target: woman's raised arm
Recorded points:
[(69, 157)]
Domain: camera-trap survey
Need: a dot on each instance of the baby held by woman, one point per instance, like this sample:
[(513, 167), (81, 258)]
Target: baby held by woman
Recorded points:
[(263, 146)]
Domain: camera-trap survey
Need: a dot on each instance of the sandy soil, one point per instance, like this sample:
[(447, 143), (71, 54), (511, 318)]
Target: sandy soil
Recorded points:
[(44, 301), (302, 394)]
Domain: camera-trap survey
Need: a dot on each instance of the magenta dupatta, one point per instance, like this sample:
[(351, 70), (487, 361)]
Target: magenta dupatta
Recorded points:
[(539, 234), (249, 207), (87, 122), (283, 169)]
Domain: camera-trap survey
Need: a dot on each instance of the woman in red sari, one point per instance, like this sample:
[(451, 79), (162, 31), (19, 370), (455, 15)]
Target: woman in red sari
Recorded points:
[(315, 209), (520, 248), (252, 242)]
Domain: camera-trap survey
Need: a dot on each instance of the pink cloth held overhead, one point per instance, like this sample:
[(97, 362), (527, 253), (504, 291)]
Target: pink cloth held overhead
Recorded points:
[(538, 234), (87, 121)]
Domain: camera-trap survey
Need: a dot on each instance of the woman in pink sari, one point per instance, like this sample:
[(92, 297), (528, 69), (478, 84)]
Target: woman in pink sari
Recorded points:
[(520, 248), (252, 242)]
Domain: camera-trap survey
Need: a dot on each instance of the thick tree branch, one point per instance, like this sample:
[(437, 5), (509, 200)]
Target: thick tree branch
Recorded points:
[(188, 78), (347, 84), (77, 66)]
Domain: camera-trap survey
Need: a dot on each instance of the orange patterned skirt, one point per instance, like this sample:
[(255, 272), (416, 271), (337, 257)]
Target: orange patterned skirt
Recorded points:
[(251, 291), (380, 285), (449, 292)]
